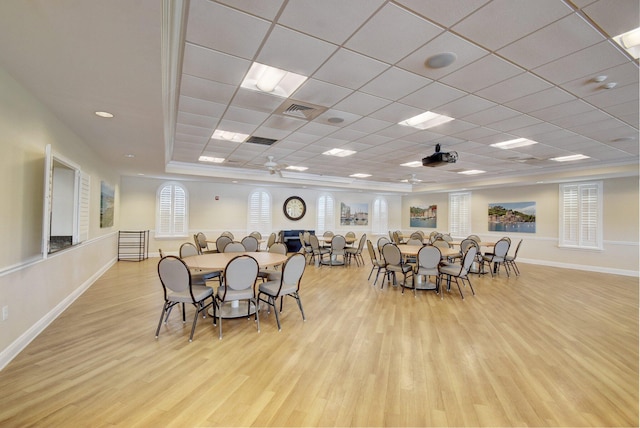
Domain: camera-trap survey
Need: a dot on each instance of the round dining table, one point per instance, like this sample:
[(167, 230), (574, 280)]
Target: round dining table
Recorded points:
[(219, 261)]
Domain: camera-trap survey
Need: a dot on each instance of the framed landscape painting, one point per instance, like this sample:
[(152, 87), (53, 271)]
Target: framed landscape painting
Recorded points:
[(516, 217), (352, 214), (423, 216), (106, 204)]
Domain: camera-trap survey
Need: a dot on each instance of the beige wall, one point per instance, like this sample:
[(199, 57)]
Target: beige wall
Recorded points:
[(36, 289), (620, 224), (138, 199)]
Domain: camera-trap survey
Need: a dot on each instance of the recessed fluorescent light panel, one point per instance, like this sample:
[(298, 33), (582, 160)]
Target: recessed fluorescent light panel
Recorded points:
[(210, 159), (569, 158), (272, 80), (297, 168), (360, 175), (630, 41), (512, 144), (236, 137), (339, 152), (426, 120), (472, 172), (413, 164)]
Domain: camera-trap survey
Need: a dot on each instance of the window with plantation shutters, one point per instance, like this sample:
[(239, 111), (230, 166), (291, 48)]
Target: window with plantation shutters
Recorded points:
[(172, 215), (580, 206), (259, 215), (325, 218), (380, 216), (460, 214)]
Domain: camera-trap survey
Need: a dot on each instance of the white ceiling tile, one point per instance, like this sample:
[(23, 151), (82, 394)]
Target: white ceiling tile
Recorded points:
[(267, 9), (283, 123), (587, 62), (228, 69), (403, 33), (361, 103), (483, 73), (552, 42), (464, 106), (233, 126), (513, 88), (321, 93), (612, 97), (293, 51), (347, 118), (394, 84), (252, 117), (465, 51), (197, 131), (491, 115), (196, 87), (553, 113), (369, 124), (540, 100), (256, 100), (235, 33), (331, 20), (443, 12), (510, 20), (197, 120), (193, 139), (349, 69), (614, 16), (266, 132), (396, 112), (201, 107), (432, 96)]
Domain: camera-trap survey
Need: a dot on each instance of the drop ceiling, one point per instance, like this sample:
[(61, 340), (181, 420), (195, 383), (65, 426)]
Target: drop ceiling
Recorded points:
[(171, 74)]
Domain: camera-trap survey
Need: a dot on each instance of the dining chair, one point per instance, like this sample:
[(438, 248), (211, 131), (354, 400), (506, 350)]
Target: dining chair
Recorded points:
[(271, 239), (305, 246), (201, 243), (457, 272), (338, 244), (356, 252), (240, 276), (288, 284), (318, 251), (256, 235), (228, 234), (198, 276), (272, 273), (382, 241), (222, 242), (417, 236), (394, 263), (376, 263), (511, 260), (234, 247), (429, 258), (250, 243), (178, 290), (497, 257)]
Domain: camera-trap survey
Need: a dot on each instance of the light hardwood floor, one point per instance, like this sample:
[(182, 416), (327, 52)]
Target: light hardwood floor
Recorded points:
[(552, 347)]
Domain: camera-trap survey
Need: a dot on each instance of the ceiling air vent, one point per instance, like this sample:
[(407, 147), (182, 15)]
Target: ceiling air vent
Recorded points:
[(300, 110), (260, 140)]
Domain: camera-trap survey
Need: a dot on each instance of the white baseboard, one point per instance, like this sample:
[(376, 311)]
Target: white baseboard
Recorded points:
[(18, 345), (588, 268)]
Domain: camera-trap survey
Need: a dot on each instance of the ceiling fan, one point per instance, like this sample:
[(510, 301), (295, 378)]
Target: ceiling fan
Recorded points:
[(273, 166), (412, 180)]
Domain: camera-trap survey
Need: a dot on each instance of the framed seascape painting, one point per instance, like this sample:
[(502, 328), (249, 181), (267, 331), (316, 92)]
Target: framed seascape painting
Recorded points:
[(423, 216), (517, 217), (352, 214), (106, 204)]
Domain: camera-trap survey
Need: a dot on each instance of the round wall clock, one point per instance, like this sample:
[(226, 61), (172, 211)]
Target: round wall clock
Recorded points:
[(294, 208)]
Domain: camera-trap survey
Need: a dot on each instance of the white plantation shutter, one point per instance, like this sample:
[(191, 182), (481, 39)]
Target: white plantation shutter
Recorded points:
[(380, 216), (83, 215), (325, 219), (259, 215), (581, 215), (460, 214), (172, 215)]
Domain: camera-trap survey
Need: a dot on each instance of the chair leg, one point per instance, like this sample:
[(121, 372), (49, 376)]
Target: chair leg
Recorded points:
[(372, 268), (275, 311), (220, 322), (257, 314), (195, 321), (164, 308), (297, 297)]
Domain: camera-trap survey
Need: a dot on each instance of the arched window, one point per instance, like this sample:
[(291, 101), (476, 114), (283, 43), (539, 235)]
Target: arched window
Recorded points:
[(380, 216), (325, 219), (259, 215), (172, 219)]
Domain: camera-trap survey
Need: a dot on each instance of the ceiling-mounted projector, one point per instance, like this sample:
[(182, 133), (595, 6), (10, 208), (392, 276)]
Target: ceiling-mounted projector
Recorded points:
[(440, 158)]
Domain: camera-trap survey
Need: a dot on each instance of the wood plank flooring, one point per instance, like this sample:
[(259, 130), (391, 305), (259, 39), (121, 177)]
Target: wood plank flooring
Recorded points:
[(553, 347)]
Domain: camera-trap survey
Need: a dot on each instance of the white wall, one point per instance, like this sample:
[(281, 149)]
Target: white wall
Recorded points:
[(620, 224), (35, 289)]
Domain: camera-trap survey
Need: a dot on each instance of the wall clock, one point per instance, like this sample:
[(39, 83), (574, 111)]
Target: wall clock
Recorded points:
[(294, 208)]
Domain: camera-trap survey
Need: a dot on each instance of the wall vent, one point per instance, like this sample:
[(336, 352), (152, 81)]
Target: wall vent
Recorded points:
[(300, 110)]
